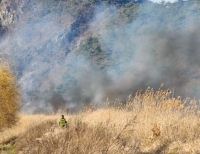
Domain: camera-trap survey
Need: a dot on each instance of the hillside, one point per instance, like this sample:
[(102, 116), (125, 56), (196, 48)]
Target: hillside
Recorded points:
[(83, 51)]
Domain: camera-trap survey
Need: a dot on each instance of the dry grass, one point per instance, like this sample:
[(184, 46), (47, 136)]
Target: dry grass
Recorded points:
[(24, 123), (78, 138), (149, 122), (9, 98)]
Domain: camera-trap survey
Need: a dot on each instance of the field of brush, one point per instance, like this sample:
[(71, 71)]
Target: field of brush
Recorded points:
[(149, 122)]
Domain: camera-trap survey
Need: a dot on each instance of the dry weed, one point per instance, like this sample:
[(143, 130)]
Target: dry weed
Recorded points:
[(79, 137), (155, 130), (149, 122), (9, 98)]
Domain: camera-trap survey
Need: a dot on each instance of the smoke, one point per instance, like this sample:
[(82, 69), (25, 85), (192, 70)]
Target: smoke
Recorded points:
[(145, 52), (57, 102), (158, 45), (152, 49)]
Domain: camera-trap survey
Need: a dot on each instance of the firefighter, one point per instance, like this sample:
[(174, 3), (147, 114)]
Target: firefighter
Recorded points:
[(63, 122)]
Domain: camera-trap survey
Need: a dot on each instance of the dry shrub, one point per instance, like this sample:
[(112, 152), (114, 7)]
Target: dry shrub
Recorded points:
[(155, 130), (149, 122), (34, 133), (9, 98), (79, 137)]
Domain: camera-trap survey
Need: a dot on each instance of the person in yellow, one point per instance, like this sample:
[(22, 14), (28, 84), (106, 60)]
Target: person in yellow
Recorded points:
[(63, 122)]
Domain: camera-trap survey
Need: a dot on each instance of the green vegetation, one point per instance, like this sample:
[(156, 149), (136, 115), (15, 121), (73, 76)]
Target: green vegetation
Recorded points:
[(8, 149), (79, 7), (91, 48), (126, 13)]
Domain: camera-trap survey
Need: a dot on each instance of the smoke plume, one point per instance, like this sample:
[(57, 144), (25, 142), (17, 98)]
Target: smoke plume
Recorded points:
[(153, 49), (158, 45)]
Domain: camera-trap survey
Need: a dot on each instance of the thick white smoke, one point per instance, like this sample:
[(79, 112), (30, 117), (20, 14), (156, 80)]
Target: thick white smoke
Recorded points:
[(151, 49)]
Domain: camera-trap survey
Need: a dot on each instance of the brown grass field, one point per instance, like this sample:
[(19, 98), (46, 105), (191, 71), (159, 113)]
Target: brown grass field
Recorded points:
[(149, 123)]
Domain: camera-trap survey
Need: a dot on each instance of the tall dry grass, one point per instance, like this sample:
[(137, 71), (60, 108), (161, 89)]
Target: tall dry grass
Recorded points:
[(9, 98), (149, 122)]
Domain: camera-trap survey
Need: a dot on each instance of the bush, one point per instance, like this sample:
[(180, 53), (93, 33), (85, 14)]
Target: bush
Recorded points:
[(9, 98)]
